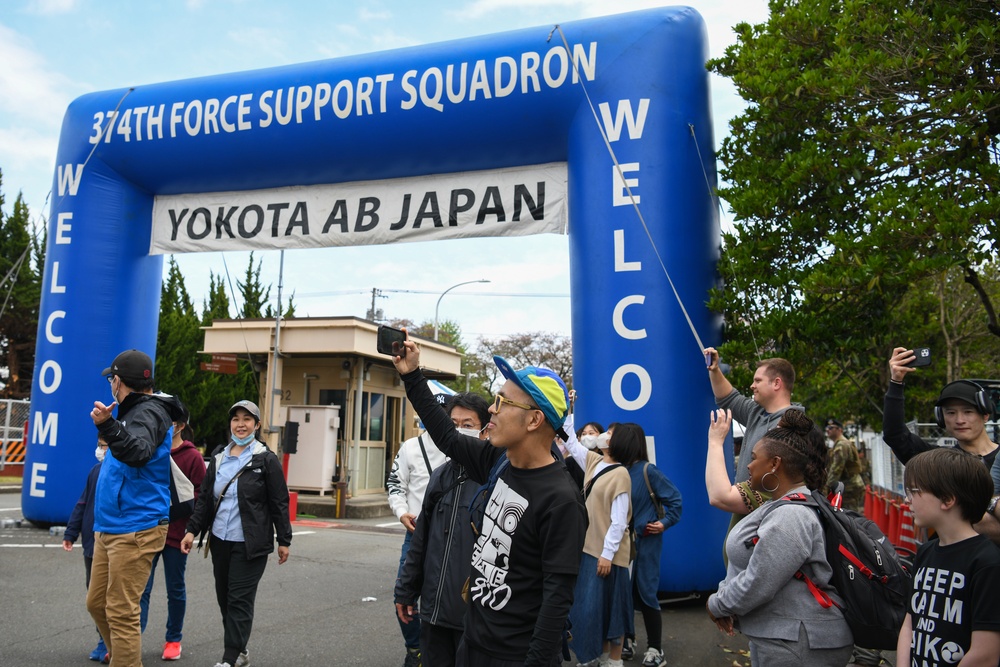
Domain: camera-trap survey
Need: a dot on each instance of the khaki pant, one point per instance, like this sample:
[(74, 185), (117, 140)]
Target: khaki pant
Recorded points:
[(118, 577)]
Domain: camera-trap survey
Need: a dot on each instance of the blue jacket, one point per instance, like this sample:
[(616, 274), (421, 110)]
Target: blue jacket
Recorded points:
[(81, 521), (646, 570), (133, 489)]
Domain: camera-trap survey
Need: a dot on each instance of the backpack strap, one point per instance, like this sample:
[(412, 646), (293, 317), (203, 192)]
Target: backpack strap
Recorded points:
[(818, 594), (660, 512), (423, 450), (590, 484), (821, 596), (477, 508)]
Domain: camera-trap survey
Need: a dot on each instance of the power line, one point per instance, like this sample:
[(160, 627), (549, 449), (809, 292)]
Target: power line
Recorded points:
[(547, 295)]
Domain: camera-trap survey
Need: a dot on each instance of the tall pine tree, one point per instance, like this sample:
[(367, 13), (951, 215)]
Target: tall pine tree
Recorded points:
[(20, 293)]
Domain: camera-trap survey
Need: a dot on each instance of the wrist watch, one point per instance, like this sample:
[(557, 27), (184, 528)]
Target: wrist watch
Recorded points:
[(991, 508)]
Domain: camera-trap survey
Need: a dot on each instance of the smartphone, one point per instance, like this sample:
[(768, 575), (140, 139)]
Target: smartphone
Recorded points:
[(922, 357), (390, 341)]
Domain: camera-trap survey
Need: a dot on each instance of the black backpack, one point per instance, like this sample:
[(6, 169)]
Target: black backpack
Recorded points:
[(867, 573)]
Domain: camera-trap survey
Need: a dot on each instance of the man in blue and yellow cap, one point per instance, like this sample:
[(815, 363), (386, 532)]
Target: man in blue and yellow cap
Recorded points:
[(529, 515)]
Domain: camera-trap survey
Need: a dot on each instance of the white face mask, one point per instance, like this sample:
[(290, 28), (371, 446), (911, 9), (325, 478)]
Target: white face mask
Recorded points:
[(589, 441), (114, 399), (603, 440), (100, 452), (471, 432)]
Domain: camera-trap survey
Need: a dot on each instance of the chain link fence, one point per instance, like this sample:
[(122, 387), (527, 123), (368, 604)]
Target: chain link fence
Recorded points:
[(13, 417)]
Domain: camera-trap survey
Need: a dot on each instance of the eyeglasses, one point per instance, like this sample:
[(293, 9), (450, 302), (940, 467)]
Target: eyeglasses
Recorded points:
[(110, 378), (912, 492), (499, 401)]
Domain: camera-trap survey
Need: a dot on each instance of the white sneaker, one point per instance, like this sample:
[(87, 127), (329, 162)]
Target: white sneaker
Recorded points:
[(222, 664), (653, 658), (243, 660)]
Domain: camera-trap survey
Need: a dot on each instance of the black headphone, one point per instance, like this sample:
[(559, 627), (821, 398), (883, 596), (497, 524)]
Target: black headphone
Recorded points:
[(983, 402)]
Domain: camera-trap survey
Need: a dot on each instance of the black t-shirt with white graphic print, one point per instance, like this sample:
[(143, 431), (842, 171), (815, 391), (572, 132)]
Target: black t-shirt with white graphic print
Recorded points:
[(534, 523), (955, 590)]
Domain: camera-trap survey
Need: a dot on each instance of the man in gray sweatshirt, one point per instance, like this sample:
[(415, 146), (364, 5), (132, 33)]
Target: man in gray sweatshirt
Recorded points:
[(772, 395)]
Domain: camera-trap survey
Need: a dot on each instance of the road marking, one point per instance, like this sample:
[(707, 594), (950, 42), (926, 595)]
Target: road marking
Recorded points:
[(304, 532), (10, 509), (21, 546), (389, 525)]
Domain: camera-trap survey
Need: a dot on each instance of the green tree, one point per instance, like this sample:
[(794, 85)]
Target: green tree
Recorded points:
[(865, 165), (255, 295), (20, 293), (178, 337), (536, 348)]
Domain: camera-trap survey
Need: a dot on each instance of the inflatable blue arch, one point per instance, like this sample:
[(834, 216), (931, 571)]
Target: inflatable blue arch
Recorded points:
[(508, 106)]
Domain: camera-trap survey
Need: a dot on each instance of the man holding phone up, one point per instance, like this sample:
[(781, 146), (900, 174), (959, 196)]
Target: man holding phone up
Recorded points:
[(962, 409), (528, 514)]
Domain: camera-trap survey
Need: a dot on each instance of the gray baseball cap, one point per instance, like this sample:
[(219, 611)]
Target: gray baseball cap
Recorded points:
[(249, 406)]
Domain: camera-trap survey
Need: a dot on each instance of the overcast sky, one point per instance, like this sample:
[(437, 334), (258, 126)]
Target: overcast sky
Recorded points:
[(52, 51)]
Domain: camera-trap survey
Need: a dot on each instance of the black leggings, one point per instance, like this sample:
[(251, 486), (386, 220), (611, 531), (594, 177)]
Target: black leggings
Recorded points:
[(651, 618)]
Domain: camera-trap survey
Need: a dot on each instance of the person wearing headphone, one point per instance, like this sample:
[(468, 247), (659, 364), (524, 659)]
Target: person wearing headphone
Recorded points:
[(962, 409)]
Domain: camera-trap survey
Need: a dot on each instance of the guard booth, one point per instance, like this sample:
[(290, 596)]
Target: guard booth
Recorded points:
[(316, 460)]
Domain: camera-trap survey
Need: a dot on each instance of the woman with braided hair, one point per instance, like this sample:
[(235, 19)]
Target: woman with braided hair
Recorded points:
[(760, 595)]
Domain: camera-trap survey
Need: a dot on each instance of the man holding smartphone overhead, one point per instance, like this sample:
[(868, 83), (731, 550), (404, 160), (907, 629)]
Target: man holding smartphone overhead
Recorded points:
[(528, 514), (962, 409)]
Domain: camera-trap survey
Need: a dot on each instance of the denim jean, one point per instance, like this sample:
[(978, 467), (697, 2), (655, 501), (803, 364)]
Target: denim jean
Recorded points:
[(174, 564), (411, 630)]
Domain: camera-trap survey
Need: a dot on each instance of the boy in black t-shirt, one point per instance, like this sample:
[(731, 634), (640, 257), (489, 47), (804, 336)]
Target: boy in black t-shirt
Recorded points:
[(529, 516), (954, 603)]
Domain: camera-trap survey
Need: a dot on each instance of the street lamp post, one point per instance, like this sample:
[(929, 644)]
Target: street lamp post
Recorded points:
[(436, 307)]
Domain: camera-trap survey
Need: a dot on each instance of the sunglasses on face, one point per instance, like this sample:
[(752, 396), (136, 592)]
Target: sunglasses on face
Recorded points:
[(499, 401)]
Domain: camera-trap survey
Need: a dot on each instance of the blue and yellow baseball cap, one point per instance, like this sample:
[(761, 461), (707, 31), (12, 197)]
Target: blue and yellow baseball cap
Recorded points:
[(546, 389)]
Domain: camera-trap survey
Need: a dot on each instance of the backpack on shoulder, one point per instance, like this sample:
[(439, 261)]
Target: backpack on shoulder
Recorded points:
[(867, 573)]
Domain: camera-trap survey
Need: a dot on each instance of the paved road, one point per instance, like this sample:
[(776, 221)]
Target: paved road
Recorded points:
[(316, 609)]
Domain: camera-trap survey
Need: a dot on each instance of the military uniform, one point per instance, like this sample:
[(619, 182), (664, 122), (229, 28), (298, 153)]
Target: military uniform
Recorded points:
[(844, 465)]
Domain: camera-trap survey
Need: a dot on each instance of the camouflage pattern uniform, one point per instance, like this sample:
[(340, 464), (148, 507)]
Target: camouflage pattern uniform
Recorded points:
[(844, 465)]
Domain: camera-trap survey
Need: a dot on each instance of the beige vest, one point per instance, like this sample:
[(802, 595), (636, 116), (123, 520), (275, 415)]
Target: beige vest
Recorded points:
[(610, 485)]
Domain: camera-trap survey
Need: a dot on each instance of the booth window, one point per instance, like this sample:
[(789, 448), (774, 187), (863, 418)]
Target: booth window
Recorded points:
[(372, 416)]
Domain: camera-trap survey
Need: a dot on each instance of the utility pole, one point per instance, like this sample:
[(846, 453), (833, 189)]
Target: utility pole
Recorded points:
[(373, 314)]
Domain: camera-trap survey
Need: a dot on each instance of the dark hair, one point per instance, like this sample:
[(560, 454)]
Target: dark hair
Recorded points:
[(137, 384), (778, 367), (187, 433), (800, 445), (470, 401), (628, 444), (579, 431), (952, 474)]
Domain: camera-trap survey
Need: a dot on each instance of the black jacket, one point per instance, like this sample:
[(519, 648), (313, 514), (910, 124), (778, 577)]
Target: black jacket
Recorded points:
[(262, 497), (437, 564)]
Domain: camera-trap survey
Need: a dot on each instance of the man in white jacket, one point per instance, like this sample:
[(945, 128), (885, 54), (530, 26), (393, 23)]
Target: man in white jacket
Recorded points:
[(411, 470)]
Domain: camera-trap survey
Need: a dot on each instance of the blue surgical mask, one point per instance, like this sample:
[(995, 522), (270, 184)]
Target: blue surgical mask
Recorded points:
[(243, 442)]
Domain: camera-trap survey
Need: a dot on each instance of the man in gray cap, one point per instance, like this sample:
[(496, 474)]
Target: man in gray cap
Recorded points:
[(132, 501)]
